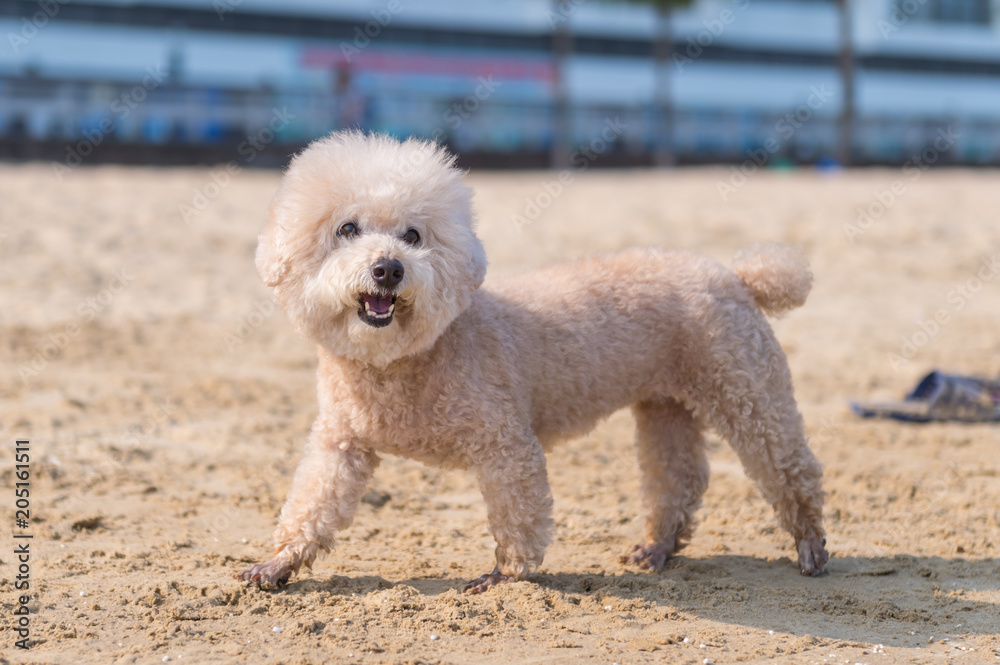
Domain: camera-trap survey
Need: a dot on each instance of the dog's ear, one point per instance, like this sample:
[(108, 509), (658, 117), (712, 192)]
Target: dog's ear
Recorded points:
[(272, 264)]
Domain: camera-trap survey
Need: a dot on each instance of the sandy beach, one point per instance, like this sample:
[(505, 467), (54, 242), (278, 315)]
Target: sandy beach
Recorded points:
[(166, 401)]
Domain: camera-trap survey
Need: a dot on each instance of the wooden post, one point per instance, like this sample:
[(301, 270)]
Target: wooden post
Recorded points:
[(562, 46), (663, 51), (846, 130)]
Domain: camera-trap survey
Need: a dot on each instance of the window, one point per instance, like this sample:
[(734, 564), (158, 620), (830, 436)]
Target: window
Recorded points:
[(946, 11)]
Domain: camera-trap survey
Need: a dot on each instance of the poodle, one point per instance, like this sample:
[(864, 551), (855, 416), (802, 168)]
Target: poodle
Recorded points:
[(371, 249)]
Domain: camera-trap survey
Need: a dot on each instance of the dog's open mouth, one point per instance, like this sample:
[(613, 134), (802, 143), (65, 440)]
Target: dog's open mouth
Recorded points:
[(376, 309)]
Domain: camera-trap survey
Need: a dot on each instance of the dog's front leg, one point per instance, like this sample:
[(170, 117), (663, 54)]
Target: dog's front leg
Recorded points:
[(323, 499), (515, 485)]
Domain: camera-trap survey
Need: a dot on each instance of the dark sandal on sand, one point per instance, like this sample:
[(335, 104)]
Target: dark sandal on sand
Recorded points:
[(941, 397)]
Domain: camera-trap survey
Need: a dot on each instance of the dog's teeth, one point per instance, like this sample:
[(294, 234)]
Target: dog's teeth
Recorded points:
[(373, 315)]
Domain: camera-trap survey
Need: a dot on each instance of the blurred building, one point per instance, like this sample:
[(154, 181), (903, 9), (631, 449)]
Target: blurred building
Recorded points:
[(181, 81)]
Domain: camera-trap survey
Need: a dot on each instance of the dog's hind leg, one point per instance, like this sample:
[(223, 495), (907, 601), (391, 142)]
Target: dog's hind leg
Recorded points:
[(324, 497), (756, 411), (515, 485), (674, 472)]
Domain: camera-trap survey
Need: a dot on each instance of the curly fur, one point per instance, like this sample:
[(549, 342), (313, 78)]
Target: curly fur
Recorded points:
[(777, 275), (489, 378)]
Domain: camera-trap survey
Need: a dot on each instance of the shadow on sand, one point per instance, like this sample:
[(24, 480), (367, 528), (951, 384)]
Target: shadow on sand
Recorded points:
[(879, 595)]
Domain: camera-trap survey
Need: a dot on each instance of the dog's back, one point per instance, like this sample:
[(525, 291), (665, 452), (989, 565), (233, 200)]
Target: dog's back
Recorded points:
[(602, 333)]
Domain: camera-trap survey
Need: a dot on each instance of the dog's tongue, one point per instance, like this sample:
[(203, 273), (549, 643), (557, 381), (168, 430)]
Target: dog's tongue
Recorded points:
[(377, 304)]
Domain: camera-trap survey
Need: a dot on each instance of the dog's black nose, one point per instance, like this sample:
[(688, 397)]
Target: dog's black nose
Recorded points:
[(387, 272)]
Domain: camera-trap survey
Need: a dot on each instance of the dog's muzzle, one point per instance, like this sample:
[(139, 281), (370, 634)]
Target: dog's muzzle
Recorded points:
[(376, 309)]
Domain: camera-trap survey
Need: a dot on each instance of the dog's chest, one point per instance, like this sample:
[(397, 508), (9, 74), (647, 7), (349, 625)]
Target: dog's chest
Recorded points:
[(430, 419)]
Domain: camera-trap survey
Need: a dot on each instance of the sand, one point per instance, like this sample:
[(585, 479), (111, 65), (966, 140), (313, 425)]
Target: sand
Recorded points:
[(166, 402)]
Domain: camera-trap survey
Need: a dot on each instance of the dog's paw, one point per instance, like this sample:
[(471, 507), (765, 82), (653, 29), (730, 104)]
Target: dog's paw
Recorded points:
[(277, 571), (651, 556), (481, 584), (812, 555)]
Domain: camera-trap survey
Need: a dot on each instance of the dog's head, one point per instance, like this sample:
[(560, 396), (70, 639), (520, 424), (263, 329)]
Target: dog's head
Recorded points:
[(370, 245)]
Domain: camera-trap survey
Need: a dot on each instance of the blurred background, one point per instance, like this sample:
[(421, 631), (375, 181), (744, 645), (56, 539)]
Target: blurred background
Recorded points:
[(505, 83)]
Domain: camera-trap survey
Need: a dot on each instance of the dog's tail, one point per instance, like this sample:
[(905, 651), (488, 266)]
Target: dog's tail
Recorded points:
[(778, 276)]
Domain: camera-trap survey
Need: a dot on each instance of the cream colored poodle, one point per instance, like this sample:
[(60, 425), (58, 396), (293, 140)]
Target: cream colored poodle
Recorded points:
[(372, 254)]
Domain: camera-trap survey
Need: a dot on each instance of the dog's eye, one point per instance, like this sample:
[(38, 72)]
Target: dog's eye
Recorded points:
[(411, 237), (348, 230)]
